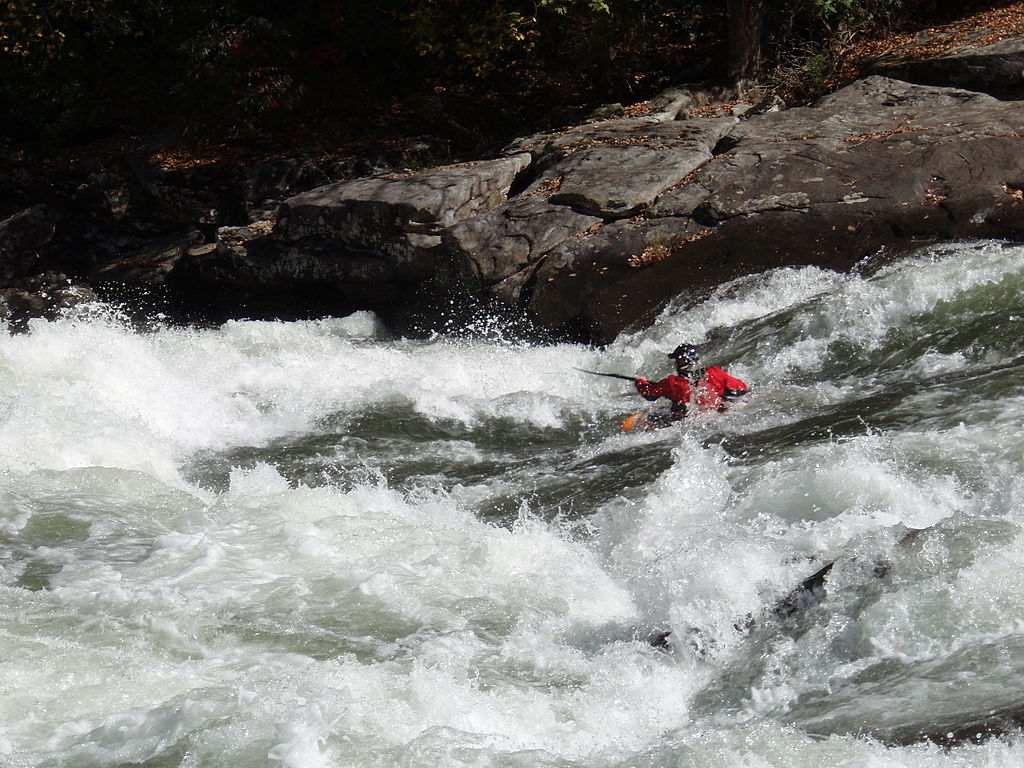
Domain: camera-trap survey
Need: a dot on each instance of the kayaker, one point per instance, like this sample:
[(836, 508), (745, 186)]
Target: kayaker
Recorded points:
[(705, 389)]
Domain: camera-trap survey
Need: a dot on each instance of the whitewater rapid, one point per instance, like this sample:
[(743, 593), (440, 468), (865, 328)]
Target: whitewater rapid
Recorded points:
[(313, 544)]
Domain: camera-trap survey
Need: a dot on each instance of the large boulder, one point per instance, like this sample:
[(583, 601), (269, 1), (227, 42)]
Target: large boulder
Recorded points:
[(591, 175), (879, 163)]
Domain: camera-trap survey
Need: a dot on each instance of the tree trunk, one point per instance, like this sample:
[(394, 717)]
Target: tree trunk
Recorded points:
[(746, 32)]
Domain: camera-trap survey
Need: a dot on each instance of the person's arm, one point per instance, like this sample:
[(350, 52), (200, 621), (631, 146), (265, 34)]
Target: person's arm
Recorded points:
[(733, 389), (650, 390)]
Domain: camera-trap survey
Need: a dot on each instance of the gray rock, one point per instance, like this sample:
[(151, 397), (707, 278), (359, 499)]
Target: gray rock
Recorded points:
[(620, 177), (550, 147), (880, 163), (997, 68), (505, 240), (366, 213), (670, 102), (620, 170)]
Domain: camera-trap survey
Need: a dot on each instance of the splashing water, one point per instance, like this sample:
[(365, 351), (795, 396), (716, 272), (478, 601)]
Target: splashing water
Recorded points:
[(311, 544)]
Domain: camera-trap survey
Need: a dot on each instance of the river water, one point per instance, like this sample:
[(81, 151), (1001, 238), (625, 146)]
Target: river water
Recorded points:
[(311, 544)]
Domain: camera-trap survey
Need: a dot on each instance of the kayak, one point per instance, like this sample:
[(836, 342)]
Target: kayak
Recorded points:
[(645, 421), (642, 421)]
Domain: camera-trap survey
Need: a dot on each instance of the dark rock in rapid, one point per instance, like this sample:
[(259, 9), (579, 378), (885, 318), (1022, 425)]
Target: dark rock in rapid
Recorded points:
[(807, 593)]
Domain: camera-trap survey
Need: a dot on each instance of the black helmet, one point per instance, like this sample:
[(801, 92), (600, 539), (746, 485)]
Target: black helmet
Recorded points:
[(689, 353)]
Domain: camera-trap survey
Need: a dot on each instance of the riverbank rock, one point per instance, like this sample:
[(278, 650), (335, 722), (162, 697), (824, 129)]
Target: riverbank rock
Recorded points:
[(22, 236), (586, 231), (593, 229), (367, 213), (42, 296), (880, 163)]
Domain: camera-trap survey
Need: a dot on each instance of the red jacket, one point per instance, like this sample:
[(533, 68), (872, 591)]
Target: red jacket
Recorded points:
[(713, 389)]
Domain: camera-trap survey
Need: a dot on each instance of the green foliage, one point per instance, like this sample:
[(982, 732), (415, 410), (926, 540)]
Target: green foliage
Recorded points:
[(563, 6), (460, 37)]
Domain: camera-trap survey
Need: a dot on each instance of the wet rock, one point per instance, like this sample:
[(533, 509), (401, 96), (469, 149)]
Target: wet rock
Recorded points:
[(41, 296), (21, 238)]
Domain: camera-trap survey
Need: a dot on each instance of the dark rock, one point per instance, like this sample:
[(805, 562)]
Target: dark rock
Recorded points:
[(45, 296), (21, 238), (151, 263), (105, 195), (997, 69), (264, 264), (550, 147), (593, 287)]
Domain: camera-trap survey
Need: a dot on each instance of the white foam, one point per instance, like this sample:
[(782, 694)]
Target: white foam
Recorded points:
[(371, 625)]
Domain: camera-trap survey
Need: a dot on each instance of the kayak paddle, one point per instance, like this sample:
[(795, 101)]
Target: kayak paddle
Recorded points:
[(609, 375)]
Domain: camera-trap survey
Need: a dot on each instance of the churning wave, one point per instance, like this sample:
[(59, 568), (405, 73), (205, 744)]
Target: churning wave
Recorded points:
[(314, 544)]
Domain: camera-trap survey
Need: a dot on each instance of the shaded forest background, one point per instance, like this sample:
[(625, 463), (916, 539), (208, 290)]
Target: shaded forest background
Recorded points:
[(468, 74)]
